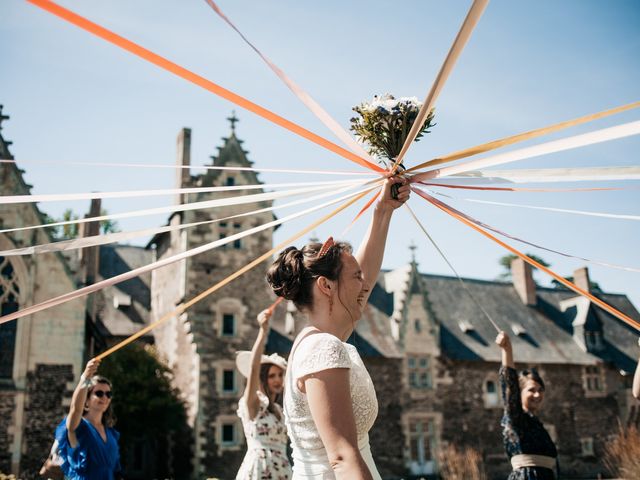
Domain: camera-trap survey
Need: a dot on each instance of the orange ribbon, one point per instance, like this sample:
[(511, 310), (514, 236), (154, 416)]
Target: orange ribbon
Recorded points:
[(605, 306), (202, 82)]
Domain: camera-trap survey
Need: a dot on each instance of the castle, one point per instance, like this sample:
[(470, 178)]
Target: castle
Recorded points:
[(427, 345)]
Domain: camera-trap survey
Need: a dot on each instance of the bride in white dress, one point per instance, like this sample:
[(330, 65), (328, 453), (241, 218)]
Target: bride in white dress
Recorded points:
[(330, 402)]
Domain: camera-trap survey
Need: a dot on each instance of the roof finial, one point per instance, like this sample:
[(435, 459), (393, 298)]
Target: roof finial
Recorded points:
[(413, 248), (233, 119)]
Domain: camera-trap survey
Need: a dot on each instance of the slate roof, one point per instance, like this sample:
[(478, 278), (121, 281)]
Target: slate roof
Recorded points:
[(124, 320), (549, 330)]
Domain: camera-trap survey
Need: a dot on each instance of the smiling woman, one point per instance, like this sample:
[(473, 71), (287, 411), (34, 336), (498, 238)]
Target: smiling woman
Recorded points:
[(529, 446), (87, 441)]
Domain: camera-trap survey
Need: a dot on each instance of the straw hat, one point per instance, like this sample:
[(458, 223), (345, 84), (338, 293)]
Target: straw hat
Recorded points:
[(243, 361)]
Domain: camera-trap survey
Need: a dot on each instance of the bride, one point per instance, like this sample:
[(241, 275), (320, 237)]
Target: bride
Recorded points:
[(330, 403)]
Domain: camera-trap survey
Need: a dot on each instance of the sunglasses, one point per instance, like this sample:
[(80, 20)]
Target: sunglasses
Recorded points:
[(102, 393)]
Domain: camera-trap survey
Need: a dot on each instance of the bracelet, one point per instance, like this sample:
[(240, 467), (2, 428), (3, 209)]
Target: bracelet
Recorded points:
[(85, 382)]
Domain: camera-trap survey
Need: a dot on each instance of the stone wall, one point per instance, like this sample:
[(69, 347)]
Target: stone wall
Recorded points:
[(46, 394), (7, 409), (387, 436)]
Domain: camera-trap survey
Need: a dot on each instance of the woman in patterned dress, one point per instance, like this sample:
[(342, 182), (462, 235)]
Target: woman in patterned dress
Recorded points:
[(260, 411), (532, 453), (330, 402)]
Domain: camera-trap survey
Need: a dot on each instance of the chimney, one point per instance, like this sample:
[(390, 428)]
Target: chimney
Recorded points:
[(581, 279), (522, 278), (183, 175), (89, 257)]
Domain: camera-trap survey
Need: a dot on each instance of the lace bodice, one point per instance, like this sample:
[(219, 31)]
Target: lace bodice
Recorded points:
[(315, 353)]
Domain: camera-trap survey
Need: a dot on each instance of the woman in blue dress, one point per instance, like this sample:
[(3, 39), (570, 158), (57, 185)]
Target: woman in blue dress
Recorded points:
[(87, 442), (532, 453)]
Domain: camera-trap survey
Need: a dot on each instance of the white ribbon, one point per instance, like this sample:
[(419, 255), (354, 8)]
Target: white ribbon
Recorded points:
[(104, 239), (55, 197), (550, 209), (543, 175), (177, 167), (227, 201), (470, 22), (165, 261), (302, 95), (603, 135)]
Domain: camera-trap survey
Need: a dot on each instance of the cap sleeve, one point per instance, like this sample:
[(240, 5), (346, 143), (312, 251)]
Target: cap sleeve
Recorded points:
[(318, 352)]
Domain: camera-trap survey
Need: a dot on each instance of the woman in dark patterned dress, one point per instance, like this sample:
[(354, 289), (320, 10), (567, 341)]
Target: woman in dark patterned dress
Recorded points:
[(532, 453)]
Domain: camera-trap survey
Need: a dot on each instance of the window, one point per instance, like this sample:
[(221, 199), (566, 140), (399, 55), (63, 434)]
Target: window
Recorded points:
[(231, 181), (228, 381), (223, 224), (417, 325), (586, 445), (228, 434), (228, 324), (9, 294), (491, 396), (593, 380), (422, 445), (594, 340), (237, 244), (419, 372), (237, 226), (222, 236)]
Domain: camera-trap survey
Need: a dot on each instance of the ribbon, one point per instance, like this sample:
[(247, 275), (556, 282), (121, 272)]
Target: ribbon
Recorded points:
[(104, 239), (598, 136), (605, 306), (544, 175), (551, 209), (485, 147), (303, 96), (472, 18), (166, 261), (181, 308), (8, 199), (194, 167), (500, 232), (227, 201), (198, 80), (444, 257), (520, 189)]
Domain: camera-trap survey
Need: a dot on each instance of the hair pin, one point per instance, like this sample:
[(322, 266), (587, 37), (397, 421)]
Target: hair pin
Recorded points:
[(325, 247)]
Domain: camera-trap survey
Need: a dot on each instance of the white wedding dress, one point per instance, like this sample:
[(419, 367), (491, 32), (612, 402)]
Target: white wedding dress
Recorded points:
[(314, 353)]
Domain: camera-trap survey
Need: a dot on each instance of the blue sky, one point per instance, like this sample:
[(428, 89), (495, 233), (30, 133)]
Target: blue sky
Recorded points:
[(73, 97)]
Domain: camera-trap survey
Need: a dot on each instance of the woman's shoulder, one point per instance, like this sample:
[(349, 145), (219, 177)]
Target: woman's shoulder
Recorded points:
[(320, 351)]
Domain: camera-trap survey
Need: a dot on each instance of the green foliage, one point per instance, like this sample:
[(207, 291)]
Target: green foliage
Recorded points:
[(385, 123), (66, 232), (147, 407), (505, 261)]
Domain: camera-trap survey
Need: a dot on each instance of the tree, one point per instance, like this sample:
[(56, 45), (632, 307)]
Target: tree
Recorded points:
[(66, 232), (556, 284), (506, 260), (150, 413)]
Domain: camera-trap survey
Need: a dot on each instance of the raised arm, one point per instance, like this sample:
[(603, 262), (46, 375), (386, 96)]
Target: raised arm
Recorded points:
[(504, 342), (253, 380), (509, 379), (79, 399), (371, 249), (329, 400)]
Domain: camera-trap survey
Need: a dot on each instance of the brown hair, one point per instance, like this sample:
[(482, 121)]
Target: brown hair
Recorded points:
[(292, 274), (532, 374), (108, 418), (264, 382)]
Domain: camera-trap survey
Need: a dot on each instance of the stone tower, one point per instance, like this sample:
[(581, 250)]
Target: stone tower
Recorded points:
[(200, 346)]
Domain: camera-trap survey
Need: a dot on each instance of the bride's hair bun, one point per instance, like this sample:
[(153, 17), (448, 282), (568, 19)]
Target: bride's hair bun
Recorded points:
[(292, 274), (287, 273)]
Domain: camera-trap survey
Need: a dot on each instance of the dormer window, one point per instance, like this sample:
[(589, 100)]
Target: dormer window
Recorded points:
[(518, 329), (593, 340), (231, 181), (593, 381)]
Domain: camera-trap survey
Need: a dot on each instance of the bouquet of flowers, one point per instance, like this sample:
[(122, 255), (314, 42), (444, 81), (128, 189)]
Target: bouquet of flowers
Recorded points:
[(385, 122)]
